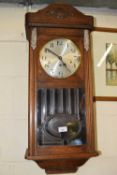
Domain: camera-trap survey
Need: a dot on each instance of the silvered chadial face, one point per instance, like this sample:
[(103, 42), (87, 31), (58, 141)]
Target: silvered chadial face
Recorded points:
[(60, 58)]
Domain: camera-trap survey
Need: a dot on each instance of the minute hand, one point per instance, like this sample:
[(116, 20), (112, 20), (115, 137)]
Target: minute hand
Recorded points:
[(59, 57)]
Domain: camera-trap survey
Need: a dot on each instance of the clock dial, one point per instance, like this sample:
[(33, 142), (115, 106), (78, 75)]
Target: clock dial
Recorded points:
[(60, 58)]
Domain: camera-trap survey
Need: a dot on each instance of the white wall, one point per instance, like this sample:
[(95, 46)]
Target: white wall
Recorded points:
[(14, 95)]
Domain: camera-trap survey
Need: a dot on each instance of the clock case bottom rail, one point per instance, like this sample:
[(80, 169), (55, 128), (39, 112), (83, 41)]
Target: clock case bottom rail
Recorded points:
[(59, 166)]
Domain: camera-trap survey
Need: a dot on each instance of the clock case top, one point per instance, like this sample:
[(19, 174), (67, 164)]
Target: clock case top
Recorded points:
[(58, 16), (55, 21)]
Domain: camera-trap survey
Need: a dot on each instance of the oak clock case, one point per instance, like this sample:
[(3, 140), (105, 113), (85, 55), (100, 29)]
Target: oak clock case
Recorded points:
[(61, 129)]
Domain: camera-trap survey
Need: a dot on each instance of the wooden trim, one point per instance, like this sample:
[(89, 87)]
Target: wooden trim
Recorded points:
[(104, 98), (105, 29)]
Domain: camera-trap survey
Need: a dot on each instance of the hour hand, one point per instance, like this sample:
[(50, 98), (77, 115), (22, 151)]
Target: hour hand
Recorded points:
[(59, 57)]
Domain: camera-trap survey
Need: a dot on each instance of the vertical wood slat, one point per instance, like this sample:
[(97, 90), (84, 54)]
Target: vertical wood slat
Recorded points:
[(76, 102), (68, 101), (52, 102), (60, 101), (43, 104)]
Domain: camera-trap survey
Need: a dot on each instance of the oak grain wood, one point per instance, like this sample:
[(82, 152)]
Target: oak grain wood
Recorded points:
[(59, 20)]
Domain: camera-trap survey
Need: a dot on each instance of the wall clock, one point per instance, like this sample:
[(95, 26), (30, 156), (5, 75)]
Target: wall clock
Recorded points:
[(61, 129)]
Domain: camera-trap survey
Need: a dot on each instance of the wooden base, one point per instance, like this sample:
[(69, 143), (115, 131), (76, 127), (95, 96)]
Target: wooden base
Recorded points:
[(61, 166)]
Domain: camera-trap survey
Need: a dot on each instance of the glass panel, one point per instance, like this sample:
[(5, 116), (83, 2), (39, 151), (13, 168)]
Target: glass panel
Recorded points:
[(61, 116)]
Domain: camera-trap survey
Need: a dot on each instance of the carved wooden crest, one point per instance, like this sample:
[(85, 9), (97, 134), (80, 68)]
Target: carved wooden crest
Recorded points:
[(58, 15)]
